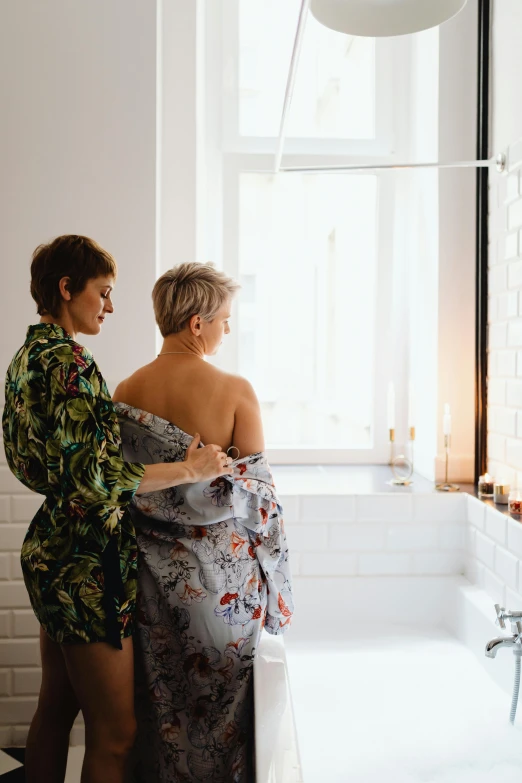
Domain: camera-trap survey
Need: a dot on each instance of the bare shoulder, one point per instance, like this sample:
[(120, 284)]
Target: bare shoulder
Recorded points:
[(119, 392), (239, 387), (248, 426), (125, 387)]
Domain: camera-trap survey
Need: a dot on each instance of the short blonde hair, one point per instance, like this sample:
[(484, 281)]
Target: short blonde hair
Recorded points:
[(187, 290)]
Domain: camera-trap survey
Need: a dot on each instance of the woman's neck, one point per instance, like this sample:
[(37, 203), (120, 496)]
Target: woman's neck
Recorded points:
[(63, 321), (182, 344)]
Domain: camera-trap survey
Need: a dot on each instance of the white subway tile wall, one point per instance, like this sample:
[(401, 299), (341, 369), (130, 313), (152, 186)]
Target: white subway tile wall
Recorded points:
[(494, 587), (506, 567), (379, 534), (20, 672), (485, 550), (505, 321), (496, 525), (493, 552), (476, 512), (439, 508), (408, 535), (439, 563), (513, 599)]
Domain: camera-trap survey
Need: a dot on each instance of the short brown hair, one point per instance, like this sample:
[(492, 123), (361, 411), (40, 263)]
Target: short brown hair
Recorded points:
[(187, 290), (77, 257)]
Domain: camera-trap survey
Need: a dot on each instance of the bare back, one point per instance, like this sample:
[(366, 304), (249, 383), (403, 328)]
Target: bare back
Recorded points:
[(197, 397)]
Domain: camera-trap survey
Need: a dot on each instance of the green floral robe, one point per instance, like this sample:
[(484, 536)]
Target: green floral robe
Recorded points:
[(62, 439)]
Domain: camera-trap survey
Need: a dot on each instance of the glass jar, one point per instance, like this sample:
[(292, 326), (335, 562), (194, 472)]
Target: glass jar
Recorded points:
[(402, 469), (515, 502), (486, 486)]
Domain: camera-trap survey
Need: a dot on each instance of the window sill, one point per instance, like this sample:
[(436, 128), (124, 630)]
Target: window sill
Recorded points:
[(349, 480)]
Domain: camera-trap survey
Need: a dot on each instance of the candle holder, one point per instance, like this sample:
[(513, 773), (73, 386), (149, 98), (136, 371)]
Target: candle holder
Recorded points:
[(501, 491), (402, 467), (446, 486), (515, 502), (392, 441), (486, 486)]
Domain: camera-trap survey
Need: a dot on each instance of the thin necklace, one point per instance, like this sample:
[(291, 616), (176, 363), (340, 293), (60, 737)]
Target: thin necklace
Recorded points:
[(189, 353)]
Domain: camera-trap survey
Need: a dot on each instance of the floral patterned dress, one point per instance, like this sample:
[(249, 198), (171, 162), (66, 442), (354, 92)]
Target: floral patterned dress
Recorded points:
[(62, 439), (213, 571)]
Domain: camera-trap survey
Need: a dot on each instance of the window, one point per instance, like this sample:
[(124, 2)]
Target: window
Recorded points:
[(307, 262), (313, 252), (336, 74)]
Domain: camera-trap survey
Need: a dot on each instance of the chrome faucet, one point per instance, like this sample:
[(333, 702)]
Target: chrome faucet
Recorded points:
[(515, 641)]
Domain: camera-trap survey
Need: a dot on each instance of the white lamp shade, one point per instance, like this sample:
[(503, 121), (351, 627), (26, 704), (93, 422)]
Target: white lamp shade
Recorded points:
[(377, 18)]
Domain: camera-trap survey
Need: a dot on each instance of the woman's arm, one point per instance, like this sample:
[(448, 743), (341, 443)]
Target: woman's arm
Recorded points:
[(84, 460), (248, 428), (199, 465)]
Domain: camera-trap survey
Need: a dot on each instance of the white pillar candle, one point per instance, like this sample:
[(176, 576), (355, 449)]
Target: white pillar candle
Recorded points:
[(446, 422), (391, 406), (501, 492)]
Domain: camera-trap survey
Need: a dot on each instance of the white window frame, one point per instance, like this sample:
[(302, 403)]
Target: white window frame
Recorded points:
[(382, 146), (239, 154)]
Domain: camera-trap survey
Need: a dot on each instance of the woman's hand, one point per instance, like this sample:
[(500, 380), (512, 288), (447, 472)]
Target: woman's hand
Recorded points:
[(202, 464), (207, 462)]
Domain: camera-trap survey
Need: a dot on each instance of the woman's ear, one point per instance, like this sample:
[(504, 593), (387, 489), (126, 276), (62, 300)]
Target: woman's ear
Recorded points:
[(64, 288), (195, 324)]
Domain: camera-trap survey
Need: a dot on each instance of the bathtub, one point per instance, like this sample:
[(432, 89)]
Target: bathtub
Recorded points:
[(385, 679)]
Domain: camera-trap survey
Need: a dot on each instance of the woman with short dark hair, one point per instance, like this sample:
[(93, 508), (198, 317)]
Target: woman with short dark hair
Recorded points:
[(62, 439)]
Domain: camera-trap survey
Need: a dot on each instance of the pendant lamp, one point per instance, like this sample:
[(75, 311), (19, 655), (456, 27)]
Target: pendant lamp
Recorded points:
[(377, 18)]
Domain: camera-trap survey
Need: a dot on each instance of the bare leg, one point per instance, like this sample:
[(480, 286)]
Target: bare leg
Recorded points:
[(103, 680), (48, 740)]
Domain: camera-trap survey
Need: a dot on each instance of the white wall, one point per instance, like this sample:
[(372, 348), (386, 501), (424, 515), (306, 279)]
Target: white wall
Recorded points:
[(181, 160), (506, 72), (505, 249), (77, 155)]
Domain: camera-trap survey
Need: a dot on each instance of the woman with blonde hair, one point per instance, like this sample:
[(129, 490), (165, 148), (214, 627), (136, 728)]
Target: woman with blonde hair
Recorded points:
[(62, 439), (213, 565)]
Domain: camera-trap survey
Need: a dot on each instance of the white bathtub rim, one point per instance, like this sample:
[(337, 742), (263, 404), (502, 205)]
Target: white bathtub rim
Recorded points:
[(276, 745)]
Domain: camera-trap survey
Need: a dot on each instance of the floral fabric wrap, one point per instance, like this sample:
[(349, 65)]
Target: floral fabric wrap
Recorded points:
[(213, 571)]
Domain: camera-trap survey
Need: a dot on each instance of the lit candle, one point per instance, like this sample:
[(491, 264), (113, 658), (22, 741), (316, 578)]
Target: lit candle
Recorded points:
[(486, 486), (446, 422), (515, 502), (391, 406)]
